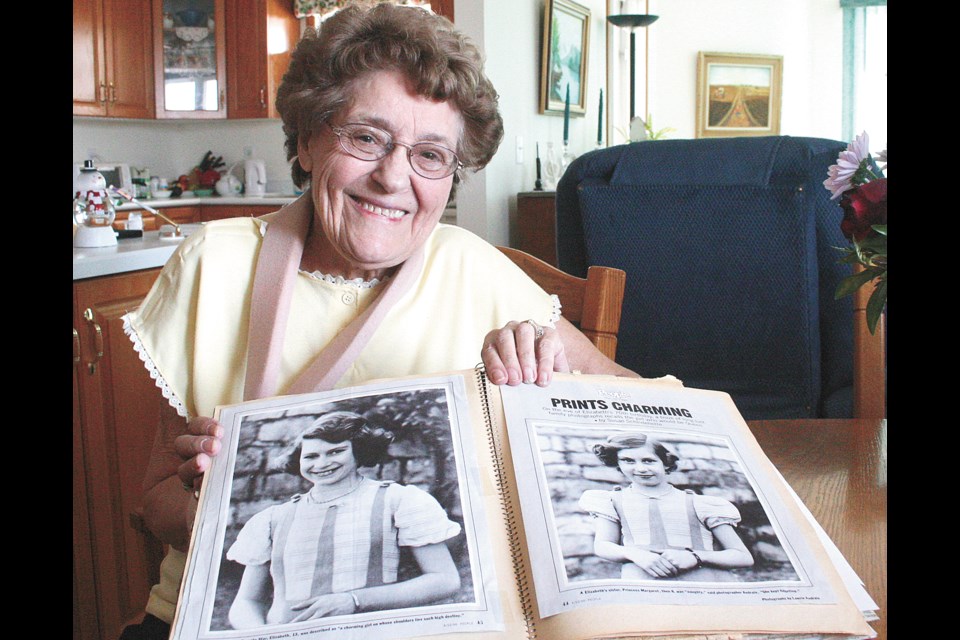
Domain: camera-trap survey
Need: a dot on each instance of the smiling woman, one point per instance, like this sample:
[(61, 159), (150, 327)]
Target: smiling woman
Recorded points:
[(385, 109)]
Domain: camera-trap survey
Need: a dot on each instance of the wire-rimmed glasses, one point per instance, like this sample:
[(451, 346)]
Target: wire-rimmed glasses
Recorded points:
[(366, 142)]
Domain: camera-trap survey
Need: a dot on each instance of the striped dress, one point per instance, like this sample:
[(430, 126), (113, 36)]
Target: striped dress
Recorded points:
[(332, 547)]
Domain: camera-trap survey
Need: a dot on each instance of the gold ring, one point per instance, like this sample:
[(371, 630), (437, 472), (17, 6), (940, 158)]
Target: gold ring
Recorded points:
[(537, 328)]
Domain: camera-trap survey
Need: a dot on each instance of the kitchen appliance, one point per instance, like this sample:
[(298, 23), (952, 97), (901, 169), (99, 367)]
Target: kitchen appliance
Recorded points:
[(229, 184), (115, 174), (255, 177), (93, 210)]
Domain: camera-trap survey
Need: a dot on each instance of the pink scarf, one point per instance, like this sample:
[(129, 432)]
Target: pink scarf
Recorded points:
[(273, 283)]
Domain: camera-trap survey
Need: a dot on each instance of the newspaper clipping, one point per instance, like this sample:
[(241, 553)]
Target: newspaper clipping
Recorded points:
[(318, 495), (649, 495)]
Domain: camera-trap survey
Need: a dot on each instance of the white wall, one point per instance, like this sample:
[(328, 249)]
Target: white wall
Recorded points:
[(171, 148), (808, 33), (511, 32)]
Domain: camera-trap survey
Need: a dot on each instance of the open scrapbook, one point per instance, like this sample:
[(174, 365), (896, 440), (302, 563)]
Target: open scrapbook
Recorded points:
[(596, 507)]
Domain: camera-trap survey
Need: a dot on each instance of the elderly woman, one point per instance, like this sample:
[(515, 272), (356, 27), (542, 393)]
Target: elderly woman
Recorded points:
[(384, 110), (289, 577)]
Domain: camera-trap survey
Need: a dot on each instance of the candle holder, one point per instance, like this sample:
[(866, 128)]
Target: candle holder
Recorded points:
[(553, 168), (566, 157)]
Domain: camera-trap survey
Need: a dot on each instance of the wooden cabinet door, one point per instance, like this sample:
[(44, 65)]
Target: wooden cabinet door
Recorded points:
[(260, 37), (180, 215), (116, 410), (89, 84), (129, 58), (112, 58), (221, 211)]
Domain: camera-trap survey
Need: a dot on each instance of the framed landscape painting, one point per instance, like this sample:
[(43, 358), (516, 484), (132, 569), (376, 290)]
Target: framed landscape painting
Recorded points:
[(738, 94), (566, 43)]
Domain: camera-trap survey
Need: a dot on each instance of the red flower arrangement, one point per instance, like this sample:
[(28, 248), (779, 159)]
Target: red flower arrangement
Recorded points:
[(863, 198)]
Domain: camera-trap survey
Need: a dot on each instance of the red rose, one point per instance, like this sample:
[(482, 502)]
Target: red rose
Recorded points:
[(864, 206)]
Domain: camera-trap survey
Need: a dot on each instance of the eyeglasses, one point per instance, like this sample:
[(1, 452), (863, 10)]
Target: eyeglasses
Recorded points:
[(365, 142)]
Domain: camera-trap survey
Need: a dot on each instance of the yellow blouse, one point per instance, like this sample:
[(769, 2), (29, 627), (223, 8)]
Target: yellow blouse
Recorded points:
[(191, 329), (192, 336)]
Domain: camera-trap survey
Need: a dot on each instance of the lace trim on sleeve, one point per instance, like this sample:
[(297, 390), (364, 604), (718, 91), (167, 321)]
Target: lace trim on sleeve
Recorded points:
[(152, 369), (555, 314)]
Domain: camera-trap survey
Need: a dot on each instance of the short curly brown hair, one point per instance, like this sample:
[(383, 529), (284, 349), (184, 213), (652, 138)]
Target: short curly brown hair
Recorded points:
[(439, 61)]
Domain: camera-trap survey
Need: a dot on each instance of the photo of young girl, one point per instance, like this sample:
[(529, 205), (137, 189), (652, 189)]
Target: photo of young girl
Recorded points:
[(343, 508), (335, 550), (653, 529)]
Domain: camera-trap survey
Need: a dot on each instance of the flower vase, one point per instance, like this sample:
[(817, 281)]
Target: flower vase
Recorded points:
[(553, 168)]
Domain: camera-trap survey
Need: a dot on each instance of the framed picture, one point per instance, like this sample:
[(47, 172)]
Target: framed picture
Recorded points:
[(566, 43), (738, 95)]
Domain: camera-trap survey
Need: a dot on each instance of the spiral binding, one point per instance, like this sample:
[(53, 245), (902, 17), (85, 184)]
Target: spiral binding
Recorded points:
[(516, 555)]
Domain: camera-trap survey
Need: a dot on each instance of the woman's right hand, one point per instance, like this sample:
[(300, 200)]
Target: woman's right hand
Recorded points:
[(182, 453), (653, 563), (197, 448)]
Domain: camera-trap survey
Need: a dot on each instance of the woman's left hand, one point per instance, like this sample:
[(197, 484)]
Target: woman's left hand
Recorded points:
[(523, 352), (323, 606)]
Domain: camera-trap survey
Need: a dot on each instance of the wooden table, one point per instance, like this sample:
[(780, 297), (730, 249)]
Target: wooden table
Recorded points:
[(839, 470)]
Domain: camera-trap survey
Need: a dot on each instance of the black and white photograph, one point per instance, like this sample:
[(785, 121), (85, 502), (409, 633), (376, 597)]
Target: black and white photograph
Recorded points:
[(658, 506), (351, 509)]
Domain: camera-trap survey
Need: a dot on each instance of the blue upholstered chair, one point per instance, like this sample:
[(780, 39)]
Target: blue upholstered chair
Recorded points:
[(729, 249)]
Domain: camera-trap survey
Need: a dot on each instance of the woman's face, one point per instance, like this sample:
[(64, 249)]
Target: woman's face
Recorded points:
[(374, 214), (327, 463), (642, 466)]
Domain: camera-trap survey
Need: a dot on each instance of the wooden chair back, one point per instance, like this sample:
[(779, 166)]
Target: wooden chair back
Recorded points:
[(592, 304)]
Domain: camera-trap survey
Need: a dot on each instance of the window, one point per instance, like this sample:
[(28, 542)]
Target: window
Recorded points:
[(865, 70)]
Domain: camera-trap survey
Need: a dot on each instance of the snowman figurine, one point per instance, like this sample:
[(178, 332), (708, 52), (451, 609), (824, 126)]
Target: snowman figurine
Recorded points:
[(92, 204), (93, 210)]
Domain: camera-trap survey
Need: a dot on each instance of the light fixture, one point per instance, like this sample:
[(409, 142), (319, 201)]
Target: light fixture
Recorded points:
[(632, 21)]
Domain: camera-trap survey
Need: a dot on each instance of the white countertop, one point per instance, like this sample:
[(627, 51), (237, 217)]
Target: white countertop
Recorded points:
[(129, 254), (278, 199), (133, 254)]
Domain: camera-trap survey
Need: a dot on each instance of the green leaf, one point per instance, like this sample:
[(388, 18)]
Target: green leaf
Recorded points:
[(880, 228), (875, 305), (875, 243), (851, 283)]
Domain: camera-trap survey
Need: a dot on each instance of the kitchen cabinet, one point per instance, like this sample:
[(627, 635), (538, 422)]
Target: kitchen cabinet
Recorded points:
[(180, 215), (115, 412), (260, 37), (189, 59), (112, 59), (218, 212)]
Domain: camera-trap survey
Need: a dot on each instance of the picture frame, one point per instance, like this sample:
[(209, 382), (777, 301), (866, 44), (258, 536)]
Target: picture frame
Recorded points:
[(738, 94), (565, 57)]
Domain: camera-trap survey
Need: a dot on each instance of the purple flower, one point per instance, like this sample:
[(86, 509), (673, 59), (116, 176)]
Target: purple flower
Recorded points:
[(840, 177)]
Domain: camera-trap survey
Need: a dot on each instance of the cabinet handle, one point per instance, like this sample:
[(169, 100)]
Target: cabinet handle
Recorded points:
[(263, 97), (76, 347), (221, 98), (113, 92), (88, 316), (103, 93)]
